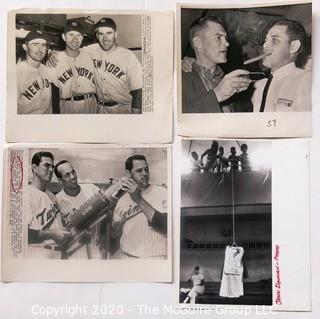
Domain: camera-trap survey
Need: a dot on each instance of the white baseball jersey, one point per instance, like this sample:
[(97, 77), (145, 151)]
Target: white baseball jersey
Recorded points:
[(117, 73), (33, 89), (43, 214), (138, 238), (67, 204), (231, 283), (74, 77)]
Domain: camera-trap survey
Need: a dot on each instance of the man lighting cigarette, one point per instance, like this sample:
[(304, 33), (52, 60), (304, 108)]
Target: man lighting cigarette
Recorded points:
[(205, 87)]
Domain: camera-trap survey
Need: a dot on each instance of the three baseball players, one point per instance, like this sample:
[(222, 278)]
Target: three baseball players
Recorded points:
[(99, 78)]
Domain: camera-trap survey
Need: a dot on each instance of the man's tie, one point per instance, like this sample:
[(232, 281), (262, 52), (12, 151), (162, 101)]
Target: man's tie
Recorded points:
[(265, 93)]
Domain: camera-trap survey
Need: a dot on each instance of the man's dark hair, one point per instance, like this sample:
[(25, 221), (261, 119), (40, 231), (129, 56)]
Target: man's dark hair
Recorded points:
[(232, 148), (36, 158), (214, 146), (201, 24), (129, 161), (295, 31), (244, 147), (56, 170)]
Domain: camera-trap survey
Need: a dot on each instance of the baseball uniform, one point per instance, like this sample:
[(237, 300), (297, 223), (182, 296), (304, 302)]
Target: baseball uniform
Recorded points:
[(232, 283), (33, 88), (117, 73), (139, 239), (75, 79), (198, 288), (289, 90), (67, 204), (43, 214)]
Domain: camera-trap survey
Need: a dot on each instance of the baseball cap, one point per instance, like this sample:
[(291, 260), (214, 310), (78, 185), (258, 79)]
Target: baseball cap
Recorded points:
[(106, 22), (196, 267), (73, 25), (36, 34)]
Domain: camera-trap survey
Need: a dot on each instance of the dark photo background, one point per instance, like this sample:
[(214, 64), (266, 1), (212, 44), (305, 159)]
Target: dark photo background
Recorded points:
[(245, 28)]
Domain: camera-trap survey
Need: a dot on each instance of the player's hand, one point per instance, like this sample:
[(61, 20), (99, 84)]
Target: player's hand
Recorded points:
[(186, 64), (233, 82), (114, 188), (53, 59), (60, 236), (133, 190)]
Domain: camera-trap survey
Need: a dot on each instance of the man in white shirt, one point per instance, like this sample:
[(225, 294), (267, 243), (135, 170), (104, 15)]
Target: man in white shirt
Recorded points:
[(70, 198), (140, 216), (74, 74), (33, 87), (197, 280), (288, 88), (46, 233)]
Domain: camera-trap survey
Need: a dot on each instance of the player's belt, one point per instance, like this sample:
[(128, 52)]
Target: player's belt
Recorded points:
[(78, 97), (108, 103)]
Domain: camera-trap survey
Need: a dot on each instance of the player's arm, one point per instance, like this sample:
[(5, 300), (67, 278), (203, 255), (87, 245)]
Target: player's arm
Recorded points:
[(135, 83), (153, 216), (60, 236), (203, 155), (136, 104)]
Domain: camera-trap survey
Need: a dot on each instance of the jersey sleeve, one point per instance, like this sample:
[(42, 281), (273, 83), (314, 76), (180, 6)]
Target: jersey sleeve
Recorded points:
[(32, 211), (134, 72), (90, 49)]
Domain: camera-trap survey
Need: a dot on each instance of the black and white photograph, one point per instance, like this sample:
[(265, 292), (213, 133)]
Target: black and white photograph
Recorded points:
[(99, 203), (256, 61), (97, 71), (79, 64), (226, 222)]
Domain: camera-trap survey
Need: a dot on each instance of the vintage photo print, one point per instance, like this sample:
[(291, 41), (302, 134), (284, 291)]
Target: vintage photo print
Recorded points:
[(92, 65), (231, 242), (84, 205), (252, 61)]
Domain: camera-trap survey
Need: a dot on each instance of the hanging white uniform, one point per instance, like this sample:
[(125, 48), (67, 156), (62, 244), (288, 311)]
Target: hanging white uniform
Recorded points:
[(231, 283)]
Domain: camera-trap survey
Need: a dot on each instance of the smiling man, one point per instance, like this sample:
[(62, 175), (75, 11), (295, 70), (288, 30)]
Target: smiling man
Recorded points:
[(74, 74), (118, 72), (205, 87), (288, 87), (33, 87)]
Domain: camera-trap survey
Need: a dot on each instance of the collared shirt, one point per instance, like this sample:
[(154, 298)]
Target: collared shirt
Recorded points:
[(290, 90), (210, 77)]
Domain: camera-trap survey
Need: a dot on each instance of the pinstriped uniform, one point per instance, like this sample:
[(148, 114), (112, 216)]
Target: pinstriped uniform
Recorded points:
[(67, 204), (43, 214), (138, 239)]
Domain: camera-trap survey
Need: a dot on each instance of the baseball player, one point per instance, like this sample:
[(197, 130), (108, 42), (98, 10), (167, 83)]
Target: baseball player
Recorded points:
[(45, 228), (140, 217), (118, 72), (71, 197), (33, 87), (74, 74), (198, 288)]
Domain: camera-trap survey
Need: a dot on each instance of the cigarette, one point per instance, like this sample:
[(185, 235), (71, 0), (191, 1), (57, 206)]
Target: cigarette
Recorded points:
[(257, 58)]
